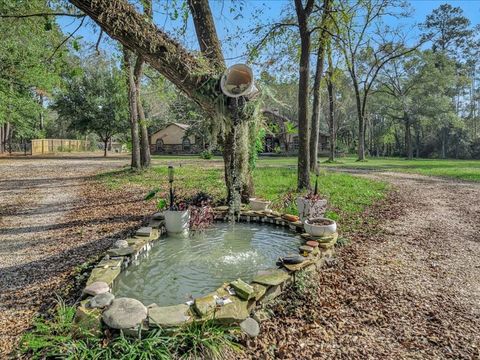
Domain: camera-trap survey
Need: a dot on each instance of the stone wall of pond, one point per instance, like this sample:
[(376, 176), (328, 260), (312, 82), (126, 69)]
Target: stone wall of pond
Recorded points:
[(232, 303)]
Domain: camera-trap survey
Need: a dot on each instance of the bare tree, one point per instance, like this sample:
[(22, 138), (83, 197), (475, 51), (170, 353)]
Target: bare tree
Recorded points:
[(367, 46)]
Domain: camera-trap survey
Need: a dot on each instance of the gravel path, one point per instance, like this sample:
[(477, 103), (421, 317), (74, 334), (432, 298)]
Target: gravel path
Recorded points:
[(38, 227), (407, 287)]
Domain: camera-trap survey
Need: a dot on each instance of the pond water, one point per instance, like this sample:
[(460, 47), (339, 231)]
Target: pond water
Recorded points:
[(180, 267)]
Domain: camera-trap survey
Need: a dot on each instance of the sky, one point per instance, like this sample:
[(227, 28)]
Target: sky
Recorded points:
[(234, 24)]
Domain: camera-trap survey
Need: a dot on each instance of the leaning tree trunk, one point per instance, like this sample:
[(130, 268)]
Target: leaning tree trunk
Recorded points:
[(192, 74), (133, 109), (331, 118)]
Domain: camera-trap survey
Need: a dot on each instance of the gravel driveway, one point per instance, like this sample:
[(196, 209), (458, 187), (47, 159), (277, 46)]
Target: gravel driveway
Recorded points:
[(38, 227)]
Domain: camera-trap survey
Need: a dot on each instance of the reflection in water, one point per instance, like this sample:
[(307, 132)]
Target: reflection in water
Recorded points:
[(181, 266)]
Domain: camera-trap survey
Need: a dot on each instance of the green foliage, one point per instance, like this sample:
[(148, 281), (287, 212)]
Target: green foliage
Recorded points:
[(206, 155), (54, 339), (96, 101)]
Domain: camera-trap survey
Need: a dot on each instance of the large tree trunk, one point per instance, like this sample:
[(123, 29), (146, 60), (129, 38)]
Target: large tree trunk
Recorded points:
[(361, 125), (142, 123), (137, 73), (105, 147), (331, 118), (303, 181), (323, 38), (133, 109)]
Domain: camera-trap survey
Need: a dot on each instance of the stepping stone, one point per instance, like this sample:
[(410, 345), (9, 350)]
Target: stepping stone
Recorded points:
[(259, 291), (144, 231), (121, 252), (119, 244), (234, 312), (96, 288), (312, 243), (101, 300), (270, 278), (242, 289), (305, 248), (250, 327), (106, 275), (124, 313), (166, 316)]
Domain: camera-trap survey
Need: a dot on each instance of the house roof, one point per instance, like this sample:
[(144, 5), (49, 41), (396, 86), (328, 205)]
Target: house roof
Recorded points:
[(182, 126)]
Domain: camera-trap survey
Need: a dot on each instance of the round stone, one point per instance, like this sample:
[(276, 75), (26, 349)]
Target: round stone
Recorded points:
[(250, 327), (96, 288), (120, 244), (124, 313), (101, 300)]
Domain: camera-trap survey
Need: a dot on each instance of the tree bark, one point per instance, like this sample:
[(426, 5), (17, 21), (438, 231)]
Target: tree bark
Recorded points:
[(324, 37), (303, 181), (361, 124), (105, 146), (133, 109), (331, 111), (144, 142), (408, 137)]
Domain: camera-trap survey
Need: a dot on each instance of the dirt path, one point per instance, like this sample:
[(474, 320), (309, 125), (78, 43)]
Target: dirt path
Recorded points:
[(408, 287), (40, 223)]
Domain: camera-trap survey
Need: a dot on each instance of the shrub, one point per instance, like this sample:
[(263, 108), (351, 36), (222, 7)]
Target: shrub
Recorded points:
[(206, 154)]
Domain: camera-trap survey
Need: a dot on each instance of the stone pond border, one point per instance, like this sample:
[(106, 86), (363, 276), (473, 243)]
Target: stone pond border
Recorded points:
[(99, 307)]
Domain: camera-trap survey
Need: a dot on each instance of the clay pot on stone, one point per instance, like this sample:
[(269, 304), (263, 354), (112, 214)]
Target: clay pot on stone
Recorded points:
[(177, 221), (320, 226), (259, 204), (310, 208)]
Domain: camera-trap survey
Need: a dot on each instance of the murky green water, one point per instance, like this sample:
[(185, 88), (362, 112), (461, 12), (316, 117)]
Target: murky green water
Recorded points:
[(181, 267)]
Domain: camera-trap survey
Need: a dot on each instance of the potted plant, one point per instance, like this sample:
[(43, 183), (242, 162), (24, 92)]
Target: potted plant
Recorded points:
[(177, 214), (258, 204), (320, 226)]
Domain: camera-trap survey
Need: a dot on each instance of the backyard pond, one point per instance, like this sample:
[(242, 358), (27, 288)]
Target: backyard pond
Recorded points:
[(181, 267)]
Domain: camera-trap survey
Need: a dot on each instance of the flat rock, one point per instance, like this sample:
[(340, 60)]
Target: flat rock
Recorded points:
[(144, 231), (167, 316), (272, 277), (109, 263), (124, 313), (101, 300), (305, 248), (106, 275), (234, 312), (292, 259), (312, 243), (121, 252), (250, 327), (96, 288), (119, 244), (204, 305), (259, 290), (87, 321), (221, 208), (261, 316), (297, 267), (242, 289)]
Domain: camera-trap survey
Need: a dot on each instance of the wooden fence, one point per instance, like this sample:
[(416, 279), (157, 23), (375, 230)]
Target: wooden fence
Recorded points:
[(50, 146)]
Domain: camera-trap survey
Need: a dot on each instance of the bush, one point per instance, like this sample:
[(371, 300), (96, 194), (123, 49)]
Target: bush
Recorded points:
[(206, 154)]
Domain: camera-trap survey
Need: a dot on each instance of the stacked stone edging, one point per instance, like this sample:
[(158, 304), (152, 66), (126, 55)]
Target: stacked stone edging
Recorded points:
[(264, 287)]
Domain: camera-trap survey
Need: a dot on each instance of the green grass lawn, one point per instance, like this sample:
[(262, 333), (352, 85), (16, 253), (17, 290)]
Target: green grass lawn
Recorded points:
[(274, 180)]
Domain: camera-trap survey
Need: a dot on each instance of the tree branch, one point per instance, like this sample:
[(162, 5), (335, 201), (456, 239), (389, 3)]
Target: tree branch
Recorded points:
[(66, 39), (20, 16)]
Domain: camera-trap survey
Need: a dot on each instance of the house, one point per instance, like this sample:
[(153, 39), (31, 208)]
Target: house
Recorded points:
[(285, 138), (173, 139)]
